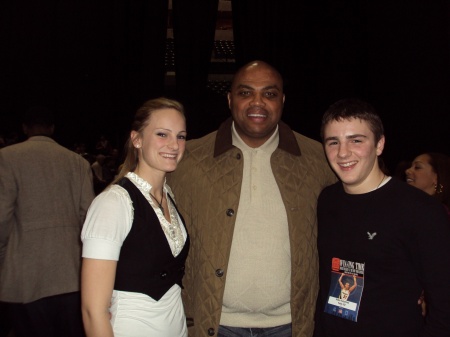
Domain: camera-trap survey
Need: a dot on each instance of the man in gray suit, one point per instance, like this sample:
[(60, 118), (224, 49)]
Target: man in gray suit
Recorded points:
[(45, 192)]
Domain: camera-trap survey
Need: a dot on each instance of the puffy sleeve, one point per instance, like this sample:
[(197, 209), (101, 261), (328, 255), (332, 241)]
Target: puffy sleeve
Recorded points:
[(107, 224)]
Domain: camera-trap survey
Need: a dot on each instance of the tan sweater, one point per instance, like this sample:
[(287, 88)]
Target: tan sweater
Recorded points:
[(257, 291)]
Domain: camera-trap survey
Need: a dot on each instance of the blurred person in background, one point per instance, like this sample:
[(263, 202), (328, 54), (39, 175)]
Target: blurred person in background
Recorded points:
[(430, 172), (46, 190)]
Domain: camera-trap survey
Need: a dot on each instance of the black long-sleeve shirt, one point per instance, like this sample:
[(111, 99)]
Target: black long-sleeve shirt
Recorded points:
[(400, 238)]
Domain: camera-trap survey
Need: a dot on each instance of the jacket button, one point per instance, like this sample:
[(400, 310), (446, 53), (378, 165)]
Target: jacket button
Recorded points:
[(219, 272), (211, 332), (230, 212), (238, 156), (163, 275)]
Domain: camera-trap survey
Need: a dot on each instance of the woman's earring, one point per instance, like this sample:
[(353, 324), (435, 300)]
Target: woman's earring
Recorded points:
[(438, 188)]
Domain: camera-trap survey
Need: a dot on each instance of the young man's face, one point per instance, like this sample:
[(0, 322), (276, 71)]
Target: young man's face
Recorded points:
[(352, 153)]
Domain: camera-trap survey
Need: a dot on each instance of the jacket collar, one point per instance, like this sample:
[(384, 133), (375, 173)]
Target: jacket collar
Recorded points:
[(41, 138), (224, 142)]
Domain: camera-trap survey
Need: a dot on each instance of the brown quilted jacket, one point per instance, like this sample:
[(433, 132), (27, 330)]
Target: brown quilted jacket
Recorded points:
[(207, 186)]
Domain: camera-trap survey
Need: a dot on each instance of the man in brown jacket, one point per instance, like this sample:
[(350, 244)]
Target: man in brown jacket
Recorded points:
[(45, 192), (248, 192)]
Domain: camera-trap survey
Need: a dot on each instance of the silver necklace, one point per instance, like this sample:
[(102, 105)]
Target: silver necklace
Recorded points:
[(159, 203), (382, 179)]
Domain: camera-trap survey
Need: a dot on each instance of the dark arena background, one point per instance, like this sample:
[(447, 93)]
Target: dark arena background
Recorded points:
[(95, 62)]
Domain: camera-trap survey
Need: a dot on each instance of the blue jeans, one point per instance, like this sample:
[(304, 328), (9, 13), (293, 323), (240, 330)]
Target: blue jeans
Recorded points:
[(276, 331)]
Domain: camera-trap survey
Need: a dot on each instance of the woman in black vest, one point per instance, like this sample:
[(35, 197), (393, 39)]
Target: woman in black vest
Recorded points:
[(134, 240)]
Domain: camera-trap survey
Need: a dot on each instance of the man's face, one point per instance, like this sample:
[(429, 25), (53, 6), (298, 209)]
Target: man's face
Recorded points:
[(352, 153), (256, 103)]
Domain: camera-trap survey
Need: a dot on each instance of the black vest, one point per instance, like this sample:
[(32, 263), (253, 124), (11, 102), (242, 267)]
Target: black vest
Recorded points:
[(146, 263)]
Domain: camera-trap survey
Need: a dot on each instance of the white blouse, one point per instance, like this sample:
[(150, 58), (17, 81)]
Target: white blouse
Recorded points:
[(107, 224)]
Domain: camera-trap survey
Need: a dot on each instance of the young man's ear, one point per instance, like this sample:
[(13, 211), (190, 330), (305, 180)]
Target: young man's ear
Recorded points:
[(380, 145)]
